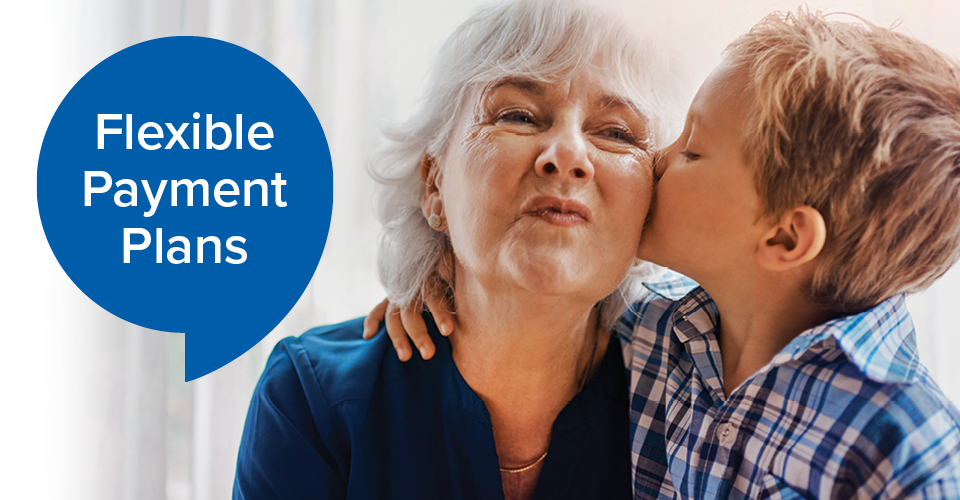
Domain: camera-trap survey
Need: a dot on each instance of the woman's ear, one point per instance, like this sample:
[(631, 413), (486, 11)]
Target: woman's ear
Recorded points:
[(431, 203), (796, 239)]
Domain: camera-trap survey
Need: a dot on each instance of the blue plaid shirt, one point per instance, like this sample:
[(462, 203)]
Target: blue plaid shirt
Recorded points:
[(845, 410)]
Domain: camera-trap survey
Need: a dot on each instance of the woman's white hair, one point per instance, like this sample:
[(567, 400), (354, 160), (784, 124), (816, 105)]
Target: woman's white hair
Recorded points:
[(536, 39)]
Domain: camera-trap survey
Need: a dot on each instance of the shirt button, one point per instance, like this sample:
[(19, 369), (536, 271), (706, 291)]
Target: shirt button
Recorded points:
[(725, 434)]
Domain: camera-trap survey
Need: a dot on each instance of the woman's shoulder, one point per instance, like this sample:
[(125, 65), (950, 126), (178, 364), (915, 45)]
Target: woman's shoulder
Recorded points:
[(331, 361), (311, 399)]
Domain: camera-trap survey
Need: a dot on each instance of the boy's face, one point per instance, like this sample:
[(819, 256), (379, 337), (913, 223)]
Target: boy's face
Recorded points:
[(705, 205)]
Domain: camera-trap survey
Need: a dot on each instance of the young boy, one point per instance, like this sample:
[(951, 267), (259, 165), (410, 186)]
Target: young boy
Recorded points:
[(816, 181)]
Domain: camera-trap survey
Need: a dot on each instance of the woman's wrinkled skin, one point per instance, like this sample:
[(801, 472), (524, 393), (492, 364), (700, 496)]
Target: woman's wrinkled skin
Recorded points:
[(543, 189), (524, 146)]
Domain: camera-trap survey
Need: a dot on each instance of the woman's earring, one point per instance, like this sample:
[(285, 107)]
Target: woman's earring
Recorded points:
[(434, 221)]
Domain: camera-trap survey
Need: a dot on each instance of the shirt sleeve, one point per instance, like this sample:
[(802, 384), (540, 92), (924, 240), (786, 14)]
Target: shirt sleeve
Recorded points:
[(943, 489), (285, 451)]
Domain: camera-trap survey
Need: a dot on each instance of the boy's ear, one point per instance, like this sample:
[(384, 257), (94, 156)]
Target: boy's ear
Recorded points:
[(431, 203), (797, 238)]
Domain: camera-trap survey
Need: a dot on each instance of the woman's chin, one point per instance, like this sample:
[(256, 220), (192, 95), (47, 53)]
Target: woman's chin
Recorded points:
[(558, 273)]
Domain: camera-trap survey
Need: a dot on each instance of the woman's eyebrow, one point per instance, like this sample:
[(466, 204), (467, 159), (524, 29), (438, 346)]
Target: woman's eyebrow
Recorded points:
[(523, 84), (611, 101)]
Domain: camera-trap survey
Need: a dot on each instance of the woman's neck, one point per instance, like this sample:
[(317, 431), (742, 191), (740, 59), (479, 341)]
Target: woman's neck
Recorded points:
[(526, 356), (521, 346)]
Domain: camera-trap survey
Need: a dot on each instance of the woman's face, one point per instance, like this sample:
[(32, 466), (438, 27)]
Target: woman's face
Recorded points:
[(545, 186)]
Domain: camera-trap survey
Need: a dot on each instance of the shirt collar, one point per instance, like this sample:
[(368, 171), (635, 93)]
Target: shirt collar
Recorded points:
[(880, 341), (671, 285), (695, 313)]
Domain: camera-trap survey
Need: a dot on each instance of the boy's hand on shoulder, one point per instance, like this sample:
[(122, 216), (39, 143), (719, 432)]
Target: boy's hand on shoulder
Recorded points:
[(407, 322)]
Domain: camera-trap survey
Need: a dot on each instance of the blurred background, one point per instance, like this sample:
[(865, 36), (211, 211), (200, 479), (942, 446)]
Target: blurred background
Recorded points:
[(94, 407)]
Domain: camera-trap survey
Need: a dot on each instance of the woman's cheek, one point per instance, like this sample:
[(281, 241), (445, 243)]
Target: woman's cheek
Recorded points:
[(634, 189), (638, 198)]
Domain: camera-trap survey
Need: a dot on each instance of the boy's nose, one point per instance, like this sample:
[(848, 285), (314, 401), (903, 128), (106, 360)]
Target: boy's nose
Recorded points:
[(660, 161)]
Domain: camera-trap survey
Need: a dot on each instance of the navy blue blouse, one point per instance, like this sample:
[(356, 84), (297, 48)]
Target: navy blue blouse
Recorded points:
[(335, 416)]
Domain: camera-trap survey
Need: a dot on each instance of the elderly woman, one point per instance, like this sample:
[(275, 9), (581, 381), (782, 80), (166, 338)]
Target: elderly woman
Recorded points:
[(523, 181)]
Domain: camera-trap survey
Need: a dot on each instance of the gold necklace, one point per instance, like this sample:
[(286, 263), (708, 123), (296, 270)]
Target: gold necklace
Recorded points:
[(583, 381), (528, 467)]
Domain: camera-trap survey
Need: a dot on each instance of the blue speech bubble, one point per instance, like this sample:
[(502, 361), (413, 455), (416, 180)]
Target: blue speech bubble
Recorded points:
[(123, 141)]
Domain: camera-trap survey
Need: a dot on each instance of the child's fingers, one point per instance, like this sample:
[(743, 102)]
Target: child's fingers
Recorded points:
[(435, 295), (437, 304), (416, 329), (372, 321), (397, 334)]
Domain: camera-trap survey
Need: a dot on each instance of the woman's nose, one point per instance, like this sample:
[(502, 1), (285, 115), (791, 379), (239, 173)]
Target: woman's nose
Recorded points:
[(565, 156)]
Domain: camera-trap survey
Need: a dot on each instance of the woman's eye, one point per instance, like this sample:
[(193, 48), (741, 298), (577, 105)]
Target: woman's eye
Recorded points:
[(515, 117), (620, 134), (688, 155)]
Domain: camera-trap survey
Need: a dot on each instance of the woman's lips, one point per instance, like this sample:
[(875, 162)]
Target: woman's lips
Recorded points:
[(557, 211)]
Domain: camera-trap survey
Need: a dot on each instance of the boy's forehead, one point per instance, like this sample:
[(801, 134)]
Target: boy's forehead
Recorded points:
[(727, 94), (728, 85)]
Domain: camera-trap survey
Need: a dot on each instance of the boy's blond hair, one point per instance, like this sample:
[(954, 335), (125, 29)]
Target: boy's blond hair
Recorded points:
[(863, 124)]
